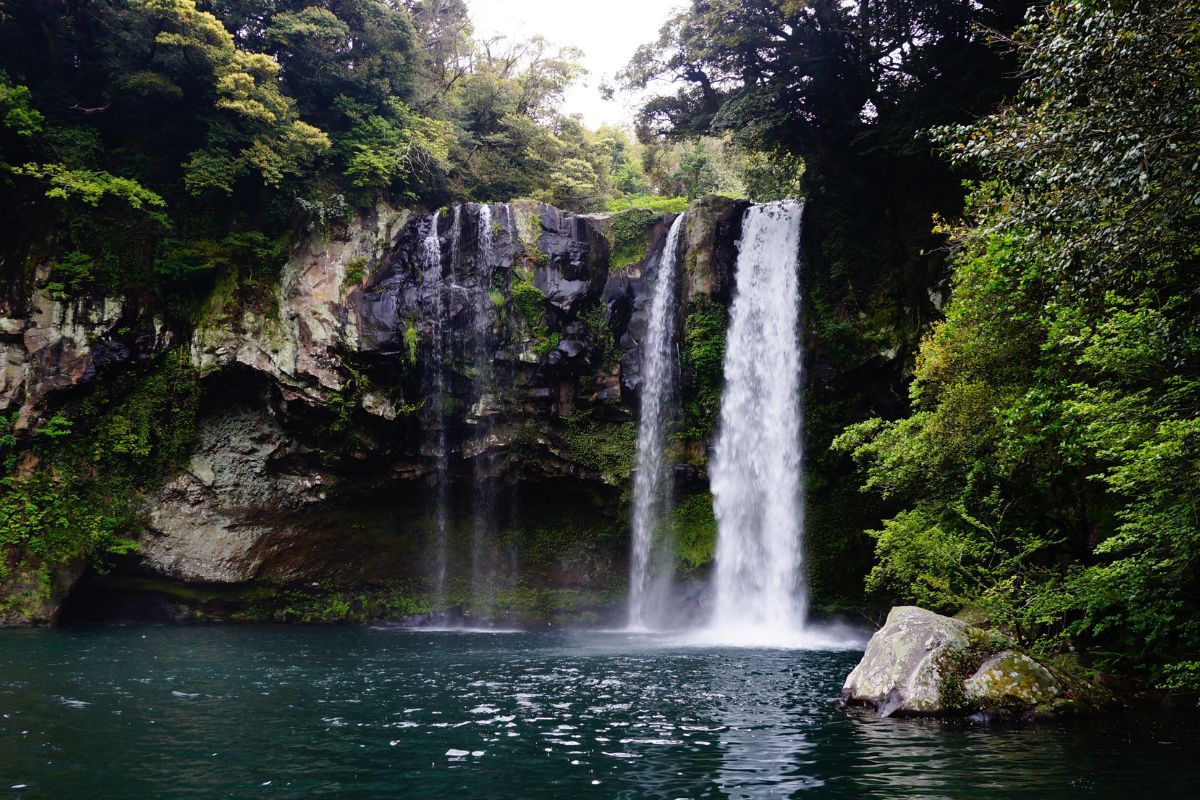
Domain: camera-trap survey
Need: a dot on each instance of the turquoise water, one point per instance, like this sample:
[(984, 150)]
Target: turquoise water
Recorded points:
[(179, 712)]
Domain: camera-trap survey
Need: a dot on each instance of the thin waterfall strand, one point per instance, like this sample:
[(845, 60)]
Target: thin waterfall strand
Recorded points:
[(430, 259), (650, 484), (483, 347)]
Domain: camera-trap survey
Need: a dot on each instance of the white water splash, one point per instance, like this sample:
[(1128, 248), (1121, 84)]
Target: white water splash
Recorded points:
[(757, 468), (650, 484)]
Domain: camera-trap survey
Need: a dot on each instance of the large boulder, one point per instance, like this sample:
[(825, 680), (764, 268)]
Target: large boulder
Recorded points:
[(922, 663), (901, 671)]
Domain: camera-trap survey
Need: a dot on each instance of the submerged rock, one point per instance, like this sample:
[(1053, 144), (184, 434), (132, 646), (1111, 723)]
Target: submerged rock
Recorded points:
[(922, 663)]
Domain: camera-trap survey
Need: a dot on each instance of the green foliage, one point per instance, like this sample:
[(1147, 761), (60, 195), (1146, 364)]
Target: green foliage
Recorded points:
[(344, 405), (90, 187), (609, 449), (530, 305), (649, 202), (93, 457), (356, 271), (243, 267), (694, 530), (546, 346), (398, 151), (631, 232), (956, 664), (412, 341), (1049, 470), (703, 369), (1181, 676), (74, 271), (604, 346), (19, 115), (252, 124), (324, 210)]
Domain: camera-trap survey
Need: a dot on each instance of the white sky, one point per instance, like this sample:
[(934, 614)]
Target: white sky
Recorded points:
[(608, 32)]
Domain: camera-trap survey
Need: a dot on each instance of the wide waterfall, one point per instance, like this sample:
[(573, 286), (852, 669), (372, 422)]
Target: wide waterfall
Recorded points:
[(465, 272), (651, 483), (756, 471)]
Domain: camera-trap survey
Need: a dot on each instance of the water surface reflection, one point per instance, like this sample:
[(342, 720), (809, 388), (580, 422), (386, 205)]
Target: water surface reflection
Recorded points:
[(360, 713)]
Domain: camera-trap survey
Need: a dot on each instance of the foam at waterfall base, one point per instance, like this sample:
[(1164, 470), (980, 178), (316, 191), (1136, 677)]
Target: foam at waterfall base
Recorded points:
[(825, 636), (457, 629)]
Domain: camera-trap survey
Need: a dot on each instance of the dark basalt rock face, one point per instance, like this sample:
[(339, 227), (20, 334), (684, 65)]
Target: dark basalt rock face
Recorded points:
[(482, 351)]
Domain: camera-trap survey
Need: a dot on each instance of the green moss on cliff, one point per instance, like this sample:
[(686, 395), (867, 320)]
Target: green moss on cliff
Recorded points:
[(695, 529), (530, 306), (630, 235), (604, 345), (703, 359), (90, 461), (607, 448)]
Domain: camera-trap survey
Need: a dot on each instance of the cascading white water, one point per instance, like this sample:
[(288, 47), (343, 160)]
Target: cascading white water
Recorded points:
[(756, 471), (650, 485), (482, 347), (430, 260)]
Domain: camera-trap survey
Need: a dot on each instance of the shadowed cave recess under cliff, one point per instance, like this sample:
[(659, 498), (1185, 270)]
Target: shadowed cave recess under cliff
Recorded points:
[(431, 418)]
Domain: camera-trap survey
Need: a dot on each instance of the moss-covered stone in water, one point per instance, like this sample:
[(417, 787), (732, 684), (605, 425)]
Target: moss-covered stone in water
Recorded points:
[(955, 665), (1012, 681)]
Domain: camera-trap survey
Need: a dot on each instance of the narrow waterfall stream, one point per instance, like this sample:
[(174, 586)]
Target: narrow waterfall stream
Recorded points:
[(483, 395), (430, 261), (757, 469), (651, 483)]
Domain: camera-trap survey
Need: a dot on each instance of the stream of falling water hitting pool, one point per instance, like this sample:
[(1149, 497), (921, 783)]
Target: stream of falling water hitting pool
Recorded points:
[(651, 482), (430, 262), (483, 346), (757, 467)]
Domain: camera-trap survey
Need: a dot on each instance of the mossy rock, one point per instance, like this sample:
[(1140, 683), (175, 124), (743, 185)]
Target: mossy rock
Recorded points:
[(1012, 682), (925, 664)]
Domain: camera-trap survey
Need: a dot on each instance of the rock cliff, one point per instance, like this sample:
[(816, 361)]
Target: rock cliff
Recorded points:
[(424, 414)]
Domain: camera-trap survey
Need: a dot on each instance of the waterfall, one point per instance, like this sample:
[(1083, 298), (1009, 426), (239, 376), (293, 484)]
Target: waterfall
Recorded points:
[(483, 346), (756, 470), (651, 484), (430, 261)]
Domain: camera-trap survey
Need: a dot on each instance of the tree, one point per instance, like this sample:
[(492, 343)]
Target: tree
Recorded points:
[(1050, 468)]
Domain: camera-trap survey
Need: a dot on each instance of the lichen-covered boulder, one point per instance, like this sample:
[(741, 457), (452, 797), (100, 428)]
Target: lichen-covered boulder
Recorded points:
[(922, 663), (1012, 681), (901, 670)]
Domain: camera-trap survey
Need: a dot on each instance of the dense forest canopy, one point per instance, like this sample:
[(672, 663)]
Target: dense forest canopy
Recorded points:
[(172, 137)]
